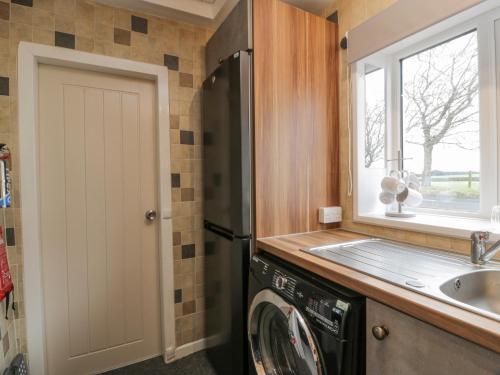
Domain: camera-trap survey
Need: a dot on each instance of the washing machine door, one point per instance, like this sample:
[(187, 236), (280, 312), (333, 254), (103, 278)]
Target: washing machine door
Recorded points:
[(280, 339)]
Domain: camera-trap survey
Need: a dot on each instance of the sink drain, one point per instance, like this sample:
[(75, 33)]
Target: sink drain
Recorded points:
[(457, 284)]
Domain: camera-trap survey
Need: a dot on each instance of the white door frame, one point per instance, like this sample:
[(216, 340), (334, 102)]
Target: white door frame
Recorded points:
[(29, 56)]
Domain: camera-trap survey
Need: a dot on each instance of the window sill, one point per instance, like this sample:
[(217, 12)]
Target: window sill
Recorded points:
[(451, 226)]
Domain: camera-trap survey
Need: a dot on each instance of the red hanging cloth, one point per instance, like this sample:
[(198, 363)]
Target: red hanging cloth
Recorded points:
[(6, 285)]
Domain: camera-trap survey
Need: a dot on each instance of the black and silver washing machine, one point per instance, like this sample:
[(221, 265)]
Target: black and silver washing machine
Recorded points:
[(300, 324)]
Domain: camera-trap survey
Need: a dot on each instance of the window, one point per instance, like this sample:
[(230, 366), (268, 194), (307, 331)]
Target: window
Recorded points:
[(430, 105), (440, 123)]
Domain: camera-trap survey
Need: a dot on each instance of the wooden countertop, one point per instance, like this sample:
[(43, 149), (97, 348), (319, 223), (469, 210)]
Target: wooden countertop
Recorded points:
[(471, 326)]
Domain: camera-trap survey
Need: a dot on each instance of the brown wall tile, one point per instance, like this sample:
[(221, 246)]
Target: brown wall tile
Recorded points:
[(64, 40), (187, 194), (171, 62), (188, 307), (176, 238), (122, 37), (4, 88), (4, 11), (139, 24), (185, 80), (187, 137)]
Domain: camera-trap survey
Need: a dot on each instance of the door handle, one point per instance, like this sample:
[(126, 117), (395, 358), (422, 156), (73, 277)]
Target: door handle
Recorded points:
[(150, 215)]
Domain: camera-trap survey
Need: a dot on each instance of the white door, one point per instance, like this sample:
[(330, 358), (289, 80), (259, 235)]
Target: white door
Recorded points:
[(97, 164)]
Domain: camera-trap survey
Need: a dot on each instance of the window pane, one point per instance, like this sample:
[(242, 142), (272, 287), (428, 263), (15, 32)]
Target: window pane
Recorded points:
[(440, 98), (374, 117)]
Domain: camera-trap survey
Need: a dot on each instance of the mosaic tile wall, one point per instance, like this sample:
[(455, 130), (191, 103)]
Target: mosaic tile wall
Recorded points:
[(350, 14), (86, 26)]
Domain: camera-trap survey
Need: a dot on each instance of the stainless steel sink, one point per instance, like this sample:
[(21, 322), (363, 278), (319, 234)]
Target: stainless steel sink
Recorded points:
[(480, 289), (445, 276)]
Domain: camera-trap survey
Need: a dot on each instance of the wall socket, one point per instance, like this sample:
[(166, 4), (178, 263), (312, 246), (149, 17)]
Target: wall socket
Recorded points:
[(330, 215)]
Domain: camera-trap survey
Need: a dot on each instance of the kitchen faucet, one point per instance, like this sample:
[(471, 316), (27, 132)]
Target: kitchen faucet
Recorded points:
[(478, 252)]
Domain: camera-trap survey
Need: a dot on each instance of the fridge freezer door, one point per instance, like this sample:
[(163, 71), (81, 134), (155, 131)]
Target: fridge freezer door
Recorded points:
[(226, 282), (227, 145)]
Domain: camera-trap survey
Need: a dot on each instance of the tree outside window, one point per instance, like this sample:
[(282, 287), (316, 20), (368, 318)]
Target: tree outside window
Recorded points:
[(375, 123), (440, 122)]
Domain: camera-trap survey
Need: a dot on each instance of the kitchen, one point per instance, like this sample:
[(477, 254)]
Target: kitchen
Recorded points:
[(250, 187)]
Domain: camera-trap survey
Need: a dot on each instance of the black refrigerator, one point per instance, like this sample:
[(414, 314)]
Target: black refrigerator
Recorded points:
[(227, 176)]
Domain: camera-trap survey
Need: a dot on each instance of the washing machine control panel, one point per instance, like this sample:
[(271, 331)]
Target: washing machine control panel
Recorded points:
[(327, 312), (324, 310)]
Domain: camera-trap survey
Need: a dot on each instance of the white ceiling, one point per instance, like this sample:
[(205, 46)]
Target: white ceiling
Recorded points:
[(203, 12), (313, 6)]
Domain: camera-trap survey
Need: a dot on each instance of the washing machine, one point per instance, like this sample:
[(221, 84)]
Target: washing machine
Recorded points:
[(301, 324)]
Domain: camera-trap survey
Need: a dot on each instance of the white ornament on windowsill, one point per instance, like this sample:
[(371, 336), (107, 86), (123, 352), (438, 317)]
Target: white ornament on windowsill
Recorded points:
[(402, 188)]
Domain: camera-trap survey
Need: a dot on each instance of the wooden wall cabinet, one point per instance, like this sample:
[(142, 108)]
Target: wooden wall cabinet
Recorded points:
[(295, 118), (413, 347)]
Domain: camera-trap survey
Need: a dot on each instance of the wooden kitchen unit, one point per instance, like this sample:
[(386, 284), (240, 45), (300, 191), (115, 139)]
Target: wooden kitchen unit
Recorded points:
[(295, 118)]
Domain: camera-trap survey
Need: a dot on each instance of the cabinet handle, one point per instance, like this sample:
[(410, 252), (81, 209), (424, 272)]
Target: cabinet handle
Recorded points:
[(380, 332)]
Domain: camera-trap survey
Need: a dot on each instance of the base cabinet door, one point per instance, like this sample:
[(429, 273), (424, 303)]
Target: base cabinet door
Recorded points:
[(399, 344)]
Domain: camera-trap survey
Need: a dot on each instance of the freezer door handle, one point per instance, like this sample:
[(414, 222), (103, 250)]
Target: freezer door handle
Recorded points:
[(219, 231)]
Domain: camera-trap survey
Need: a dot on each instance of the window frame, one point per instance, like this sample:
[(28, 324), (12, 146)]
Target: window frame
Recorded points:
[(390, 60)]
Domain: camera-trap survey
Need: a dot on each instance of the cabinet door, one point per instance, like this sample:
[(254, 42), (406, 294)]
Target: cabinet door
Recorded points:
[(414, 347)]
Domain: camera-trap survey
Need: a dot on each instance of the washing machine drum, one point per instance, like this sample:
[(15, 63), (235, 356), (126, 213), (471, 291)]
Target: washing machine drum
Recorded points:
[(280, 339)]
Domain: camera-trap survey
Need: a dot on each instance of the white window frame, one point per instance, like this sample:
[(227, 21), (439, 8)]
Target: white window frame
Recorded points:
[(431, 220)]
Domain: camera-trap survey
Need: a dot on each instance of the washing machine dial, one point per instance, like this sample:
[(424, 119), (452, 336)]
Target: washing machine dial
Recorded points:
[(281, 282)]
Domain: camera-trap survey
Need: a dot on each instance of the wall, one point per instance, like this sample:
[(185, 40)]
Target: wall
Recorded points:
[(350, 14), (103, 30)]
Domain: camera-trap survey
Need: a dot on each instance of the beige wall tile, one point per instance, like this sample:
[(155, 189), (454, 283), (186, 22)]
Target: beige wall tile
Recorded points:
[(64, 7), (65, 23), (84, 27), (122, 19), (43, 19), (104, 14), (85, 10), (103, 32), (4, 29), (156, 27), (44, 4), (84, 44), (4, 62), (21, 14)]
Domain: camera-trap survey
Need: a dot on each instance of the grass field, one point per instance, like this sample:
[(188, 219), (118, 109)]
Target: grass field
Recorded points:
[(459, 189)]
